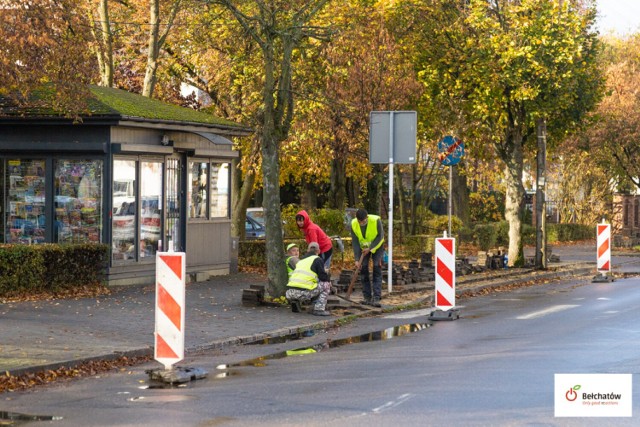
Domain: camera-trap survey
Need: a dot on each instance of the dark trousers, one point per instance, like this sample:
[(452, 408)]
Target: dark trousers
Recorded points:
[(377, 275)]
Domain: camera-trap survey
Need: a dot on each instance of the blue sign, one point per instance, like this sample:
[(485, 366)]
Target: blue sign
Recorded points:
[(451, 150)]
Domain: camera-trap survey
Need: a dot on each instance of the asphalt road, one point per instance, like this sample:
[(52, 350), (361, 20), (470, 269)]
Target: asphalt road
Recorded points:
[(493, 366)]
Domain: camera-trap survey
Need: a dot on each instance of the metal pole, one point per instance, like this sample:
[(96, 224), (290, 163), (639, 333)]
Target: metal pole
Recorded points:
[(449, 207), (390, 245), (541, 235)]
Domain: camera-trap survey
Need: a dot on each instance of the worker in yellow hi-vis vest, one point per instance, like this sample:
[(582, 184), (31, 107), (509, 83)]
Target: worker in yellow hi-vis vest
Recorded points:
[(367, 235), (309, 282)]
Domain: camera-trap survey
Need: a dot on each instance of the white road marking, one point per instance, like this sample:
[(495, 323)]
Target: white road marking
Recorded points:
[(393, 403), (554, 309), (604, 299)]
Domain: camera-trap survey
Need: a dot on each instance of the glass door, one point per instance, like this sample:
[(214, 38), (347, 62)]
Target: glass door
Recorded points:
[(174, 203)]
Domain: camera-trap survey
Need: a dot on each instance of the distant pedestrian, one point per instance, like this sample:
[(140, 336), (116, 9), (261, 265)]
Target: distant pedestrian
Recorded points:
[(292, 257), (313, 233), (309, 282), (367, 236)]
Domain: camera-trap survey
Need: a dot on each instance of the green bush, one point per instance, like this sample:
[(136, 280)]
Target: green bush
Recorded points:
[(440, 223), (21, 269), (51, 267), (74, 265), (486, 236), (330, 220), (465, 235), (570, 232), (416, 245), (528, 235), (288, 215), (253, 253)]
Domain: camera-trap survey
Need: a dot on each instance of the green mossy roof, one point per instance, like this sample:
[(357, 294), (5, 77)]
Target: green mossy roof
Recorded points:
[(110, 101), (119, 104)]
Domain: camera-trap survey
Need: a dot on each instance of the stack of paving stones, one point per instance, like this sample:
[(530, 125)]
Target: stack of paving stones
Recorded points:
[(463, 266), (254, 296), (426, 260), (345, 278)]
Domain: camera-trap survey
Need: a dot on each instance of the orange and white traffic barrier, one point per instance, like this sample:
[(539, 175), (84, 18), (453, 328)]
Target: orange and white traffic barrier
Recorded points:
[(445, 286), (170, 308), (603, 243)]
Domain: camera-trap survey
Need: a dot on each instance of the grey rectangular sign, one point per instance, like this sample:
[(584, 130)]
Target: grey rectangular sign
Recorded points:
[(405, 132)]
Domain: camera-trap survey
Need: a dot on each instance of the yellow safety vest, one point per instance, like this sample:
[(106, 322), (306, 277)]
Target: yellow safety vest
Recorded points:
[(371, 232), (301, 351), (303, 277), (289, 269)]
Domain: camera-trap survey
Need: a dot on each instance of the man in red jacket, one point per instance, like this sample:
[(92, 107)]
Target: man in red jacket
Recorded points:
[(313, 233)]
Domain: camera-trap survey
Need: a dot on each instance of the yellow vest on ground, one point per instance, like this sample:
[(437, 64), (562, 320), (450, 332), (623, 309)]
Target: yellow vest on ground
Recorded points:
[(303, 277), (370, 234)]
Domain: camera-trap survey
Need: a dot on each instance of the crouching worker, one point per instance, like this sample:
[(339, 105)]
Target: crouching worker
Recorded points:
[(309, 281), (291, 258)]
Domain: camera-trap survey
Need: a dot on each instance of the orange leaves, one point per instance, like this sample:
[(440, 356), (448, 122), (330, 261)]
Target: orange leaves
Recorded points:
[(46, 43)]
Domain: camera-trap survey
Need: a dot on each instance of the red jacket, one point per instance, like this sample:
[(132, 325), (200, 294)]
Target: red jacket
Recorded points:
[(313, 233)]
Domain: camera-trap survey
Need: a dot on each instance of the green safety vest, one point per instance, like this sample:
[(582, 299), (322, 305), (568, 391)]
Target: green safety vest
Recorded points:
[(289, 269), (371, 232), (303, 277)]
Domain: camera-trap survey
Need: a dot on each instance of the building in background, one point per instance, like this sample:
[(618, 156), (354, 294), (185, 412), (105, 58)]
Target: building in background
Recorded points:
[(137, 174)]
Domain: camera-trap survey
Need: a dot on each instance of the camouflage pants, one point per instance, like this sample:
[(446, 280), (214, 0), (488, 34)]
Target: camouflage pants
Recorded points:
[(317, 296)]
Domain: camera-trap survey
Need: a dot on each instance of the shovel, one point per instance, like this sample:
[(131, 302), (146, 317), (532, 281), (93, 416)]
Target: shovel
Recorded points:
[(354, 277)]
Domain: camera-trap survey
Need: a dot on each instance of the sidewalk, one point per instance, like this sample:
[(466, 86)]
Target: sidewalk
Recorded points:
[(49, 334)]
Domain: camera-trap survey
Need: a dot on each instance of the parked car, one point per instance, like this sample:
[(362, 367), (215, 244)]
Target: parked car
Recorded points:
[(256, 214), (253, 230)]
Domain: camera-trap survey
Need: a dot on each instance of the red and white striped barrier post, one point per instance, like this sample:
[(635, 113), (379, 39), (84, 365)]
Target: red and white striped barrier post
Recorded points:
[(170, 308), (445, 272), (603, 244), (445, 286)]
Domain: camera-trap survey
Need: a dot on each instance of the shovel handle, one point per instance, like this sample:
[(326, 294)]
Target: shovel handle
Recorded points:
[(355, 276)]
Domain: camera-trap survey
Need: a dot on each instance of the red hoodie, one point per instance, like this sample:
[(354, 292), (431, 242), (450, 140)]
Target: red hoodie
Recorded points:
[(313, 233)]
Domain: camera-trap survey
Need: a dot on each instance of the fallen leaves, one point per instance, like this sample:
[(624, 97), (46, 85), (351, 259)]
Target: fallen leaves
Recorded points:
[(11, 383), (86, 291)]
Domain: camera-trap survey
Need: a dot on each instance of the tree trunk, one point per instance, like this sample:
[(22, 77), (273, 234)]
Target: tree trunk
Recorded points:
[(414, 206), (338, 193), (156, 40), (240, 196), (460, 196), (353, 193), (104, 39), (514, 202), (153, 48), (373, 201), (401, 201), (276, 271), (277, 96), (309, 199)]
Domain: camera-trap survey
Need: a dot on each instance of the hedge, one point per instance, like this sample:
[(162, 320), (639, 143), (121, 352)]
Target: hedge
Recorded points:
[(50, 267)]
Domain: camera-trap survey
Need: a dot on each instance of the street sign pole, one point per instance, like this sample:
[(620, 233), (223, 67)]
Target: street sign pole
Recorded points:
[(451, 151), (392, 138), (390, 244), (450, 203)]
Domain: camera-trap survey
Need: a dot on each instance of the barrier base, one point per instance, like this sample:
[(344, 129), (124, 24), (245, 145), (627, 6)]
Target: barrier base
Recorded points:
[(603, 278), (176, 375), (451, 314)]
